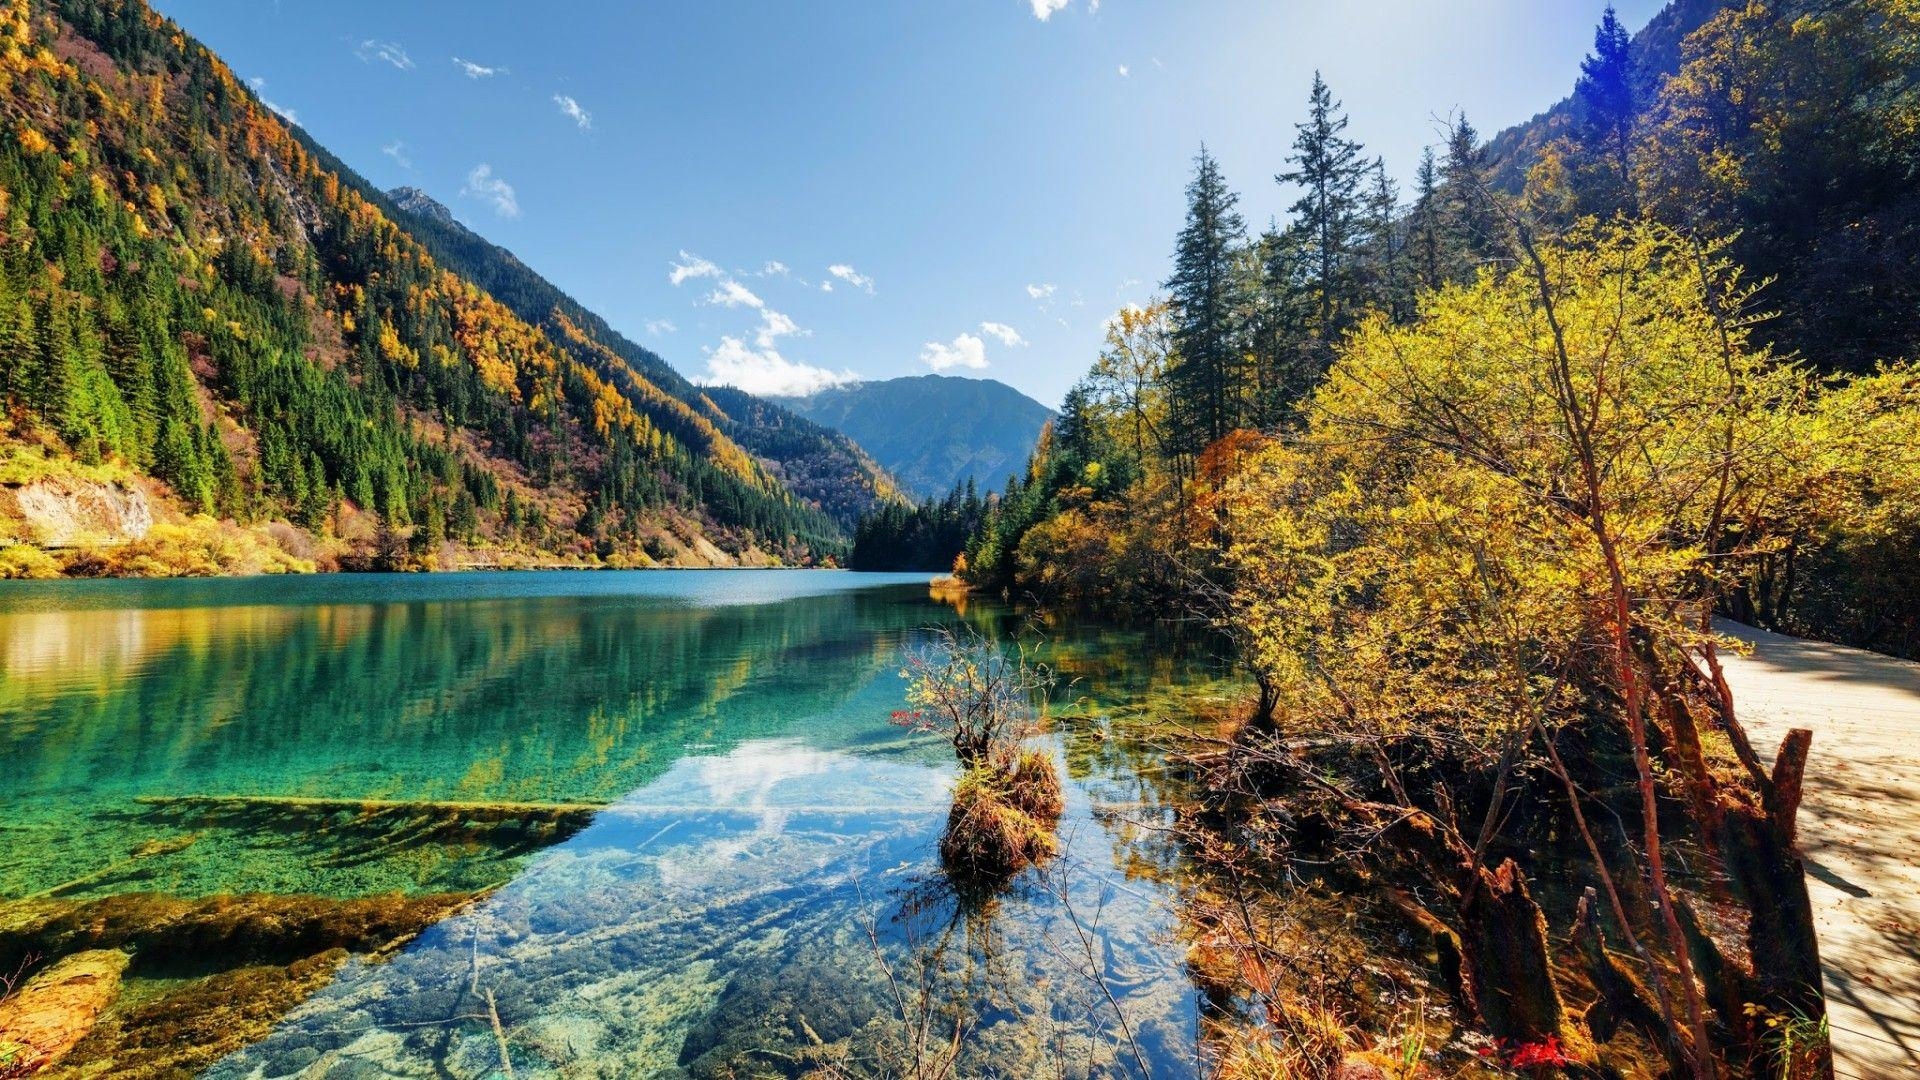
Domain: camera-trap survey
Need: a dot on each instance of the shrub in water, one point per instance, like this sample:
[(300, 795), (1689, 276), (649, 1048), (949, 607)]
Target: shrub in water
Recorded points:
[(988, 837)]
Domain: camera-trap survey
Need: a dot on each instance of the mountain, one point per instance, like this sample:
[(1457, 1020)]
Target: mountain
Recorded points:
[(1789, 132), (934, 432), (200, 306), (1656, 54), (820, 465)]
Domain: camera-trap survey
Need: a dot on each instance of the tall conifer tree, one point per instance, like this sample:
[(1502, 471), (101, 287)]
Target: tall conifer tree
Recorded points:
[(1425, 237), (1328, 219), (1470, 219), (1607, 101), (1206, 377)]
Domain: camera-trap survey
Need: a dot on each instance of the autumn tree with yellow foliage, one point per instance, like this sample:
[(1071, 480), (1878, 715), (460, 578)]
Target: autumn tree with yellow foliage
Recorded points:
[(1484, 575)]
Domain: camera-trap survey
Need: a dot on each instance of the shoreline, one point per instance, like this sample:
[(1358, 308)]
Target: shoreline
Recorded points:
[(473, 568)]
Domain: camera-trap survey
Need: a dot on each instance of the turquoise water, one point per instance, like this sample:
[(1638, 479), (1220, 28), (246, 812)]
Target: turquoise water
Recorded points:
[(730, 869)]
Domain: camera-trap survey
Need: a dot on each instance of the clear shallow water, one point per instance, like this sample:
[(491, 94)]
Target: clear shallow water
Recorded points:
[(759, 889)]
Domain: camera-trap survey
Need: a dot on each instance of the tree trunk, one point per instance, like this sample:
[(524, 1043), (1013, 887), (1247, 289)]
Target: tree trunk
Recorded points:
[(1624, 998), (1756, 848), (1503, 939), (1506, 960)]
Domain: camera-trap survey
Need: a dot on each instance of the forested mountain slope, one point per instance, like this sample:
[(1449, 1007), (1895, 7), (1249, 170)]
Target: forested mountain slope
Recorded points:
[(820, 465), (1656, 52), (1786, 125), (197, 303), (817, 462), (934, 432)]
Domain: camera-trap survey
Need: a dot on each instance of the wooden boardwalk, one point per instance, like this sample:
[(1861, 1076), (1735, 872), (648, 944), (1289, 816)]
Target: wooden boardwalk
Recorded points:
[(1859, 830)]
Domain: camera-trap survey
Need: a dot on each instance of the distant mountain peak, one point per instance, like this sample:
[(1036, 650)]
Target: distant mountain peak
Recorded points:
[(933, 432), (415, 201)]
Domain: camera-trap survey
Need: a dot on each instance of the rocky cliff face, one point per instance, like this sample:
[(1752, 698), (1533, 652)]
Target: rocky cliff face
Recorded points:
[(59, 512), (415, 201)]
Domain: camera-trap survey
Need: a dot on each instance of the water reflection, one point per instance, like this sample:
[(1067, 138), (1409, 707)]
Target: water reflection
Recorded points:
[(694, 845), (536, 698)]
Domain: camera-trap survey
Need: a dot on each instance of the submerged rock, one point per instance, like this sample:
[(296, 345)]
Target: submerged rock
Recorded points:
[(55, 1009), (192, 1027), (168, 932), (267, 954)]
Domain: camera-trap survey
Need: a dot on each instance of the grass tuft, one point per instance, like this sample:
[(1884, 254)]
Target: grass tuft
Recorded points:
[(990, 836)]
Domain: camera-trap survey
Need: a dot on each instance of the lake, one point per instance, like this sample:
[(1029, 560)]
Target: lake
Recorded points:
[(653, 823)]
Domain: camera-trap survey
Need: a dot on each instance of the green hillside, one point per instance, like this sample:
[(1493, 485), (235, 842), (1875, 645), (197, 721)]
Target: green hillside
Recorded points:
[(1657, 53), (1787, 126), (208, 317)]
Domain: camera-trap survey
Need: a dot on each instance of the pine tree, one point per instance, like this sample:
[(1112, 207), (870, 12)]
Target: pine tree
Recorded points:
[(224, 479), (177, 460), (51, 390), (1390, 284), (1281, 326), (1470, 219), (1075, 427), (1328, 218), (1607, 104), (19, 344), (463, 520), (131, 367), (1206, 377), (1425, 235)]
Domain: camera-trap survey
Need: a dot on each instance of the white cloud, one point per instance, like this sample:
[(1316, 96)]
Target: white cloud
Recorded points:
[(733, 294), (774, 326), (259, 86), (758, 368), (766, 372), (478, 71), (482, 184), (851, 276), (1044, 9), (571, 108), (389, 51), (1004, 334), (691, 266), (1124, 71), (658, 327), (826, 286), (397, 150), (1039, 292), (965, 351)]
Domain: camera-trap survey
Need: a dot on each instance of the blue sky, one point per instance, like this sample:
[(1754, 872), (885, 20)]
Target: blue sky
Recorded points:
[(782, 194)]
